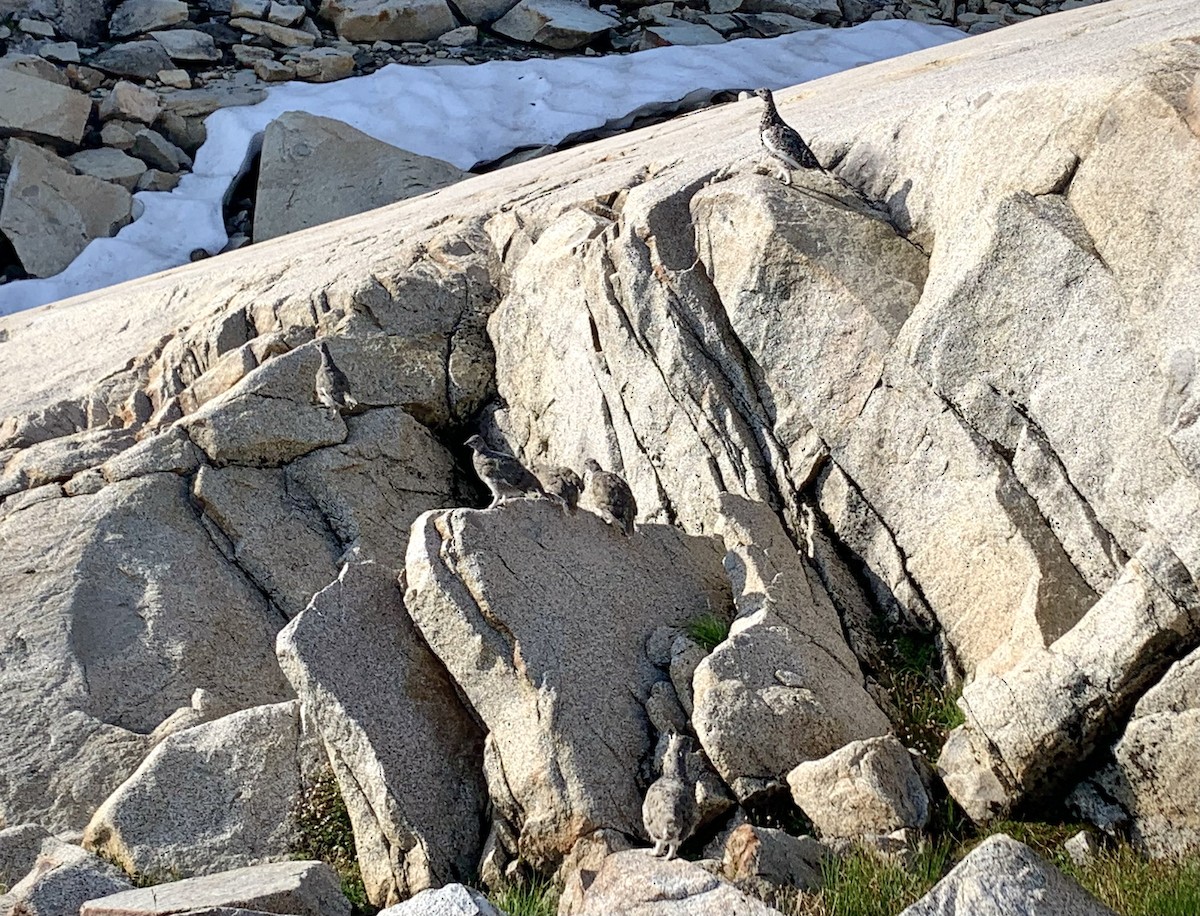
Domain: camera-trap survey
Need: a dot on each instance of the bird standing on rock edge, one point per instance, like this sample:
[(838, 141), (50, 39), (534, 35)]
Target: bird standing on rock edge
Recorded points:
[(611, 496), (503, 474), (333, 388), (781, 141), (669, 810)]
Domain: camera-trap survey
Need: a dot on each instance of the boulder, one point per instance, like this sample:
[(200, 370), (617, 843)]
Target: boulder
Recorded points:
[(757, 856), (867, 788), (281, 35), (636, 882), (58, 459), (451, 900), (35, 66), (49, 213), (1025, 730), (407, 754), (135, 59), (102, 667), (63, 877), (109, 165), (158, 152), (188, 44), (680, 33), (389, 20), (299, 149), (1001, 877), (324, 65), (210, 798), (559, 24), (41, 110), (541, 619), (288, 14), (134, 17), (827, 11), (299, 888), (484, 12), (20, 846)]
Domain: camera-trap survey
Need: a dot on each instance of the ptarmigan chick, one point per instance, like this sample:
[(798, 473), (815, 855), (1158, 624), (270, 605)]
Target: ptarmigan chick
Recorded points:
[(563, 484), (669, 810), (611, 496), (504, 475), (333, 388)]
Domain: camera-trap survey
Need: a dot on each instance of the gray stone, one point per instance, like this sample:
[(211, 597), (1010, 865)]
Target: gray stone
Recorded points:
[(636, 882), (298, 888), (281, 35), (188, 44), (40, 109), (821, 10), (389, 20), (157, 180), (19, 849), (324, 65), (299, 148), (37, 67), (460, 38), (194, 103), (58, 459), (451, 900), (867, 788), (1082, 847), (109, 165), (251, 9), (683, 33), (544, 633), (285, 13), (62, 878), (210, 798), (36, 27), (273, 71), (137, 59), (50, 214), (134, 17), (176, 79), (483, 12), (754, 856), (130, 102), (1001, 877), (158, 152), (407, 754), (119, 134), (66, 52), (560, 24)]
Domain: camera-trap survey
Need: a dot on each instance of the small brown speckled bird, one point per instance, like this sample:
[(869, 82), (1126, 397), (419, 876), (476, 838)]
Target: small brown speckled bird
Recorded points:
[(781, 141), (611, 496), (669, 811), (563, 484), (504, 475), (333, 388)]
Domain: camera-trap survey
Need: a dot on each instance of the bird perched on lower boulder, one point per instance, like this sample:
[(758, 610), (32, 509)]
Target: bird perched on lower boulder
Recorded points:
[(333, 388), (563, 484), (611, 496), (669, 811), (503, 474), (781, 141)]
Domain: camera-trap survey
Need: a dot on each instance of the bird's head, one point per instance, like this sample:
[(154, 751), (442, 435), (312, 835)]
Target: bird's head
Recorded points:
[(590, 467), (476, 442), (764, 94), (324, 350)]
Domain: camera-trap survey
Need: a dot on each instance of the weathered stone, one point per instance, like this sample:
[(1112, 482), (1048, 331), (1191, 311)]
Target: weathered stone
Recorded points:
[(451, 900), (763, 854), (176, 79), (119, 134), (1001, 877), (483, 12), (289, 38), (406, 753), (85, 78), (252, 9), (134, 17), (273, 71), (1025, 729), (299, 148), (138, 59), (211, 798), (29, 65), (1082, 848), (157, 180), (459, 38), (50, 214), (682, 33), (60, 458), (820, 10), (188, 44), (130, 102), (194, 103), (40, 109), (634, 882), (108, 165), (867, 788), (36, 27), (66, 52), (249, 55), (288, 14), (188, 133), (324, 65), (158, 152), (170, 451), (19, 849), (62, 878), (560, 24), (389, 20), (544, 633), (103, 666), (299, 888)]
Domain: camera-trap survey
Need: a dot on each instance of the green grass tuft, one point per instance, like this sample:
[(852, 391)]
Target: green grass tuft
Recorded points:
[(325, 833), (708, 630), (533, 898)]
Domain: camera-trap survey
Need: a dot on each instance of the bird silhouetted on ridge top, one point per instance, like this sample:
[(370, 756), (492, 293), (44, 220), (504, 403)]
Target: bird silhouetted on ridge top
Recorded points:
[(781, 141)]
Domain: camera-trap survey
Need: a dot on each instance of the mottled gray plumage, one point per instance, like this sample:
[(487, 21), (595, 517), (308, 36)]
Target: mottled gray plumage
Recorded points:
[(333, 388), (669, 811), (781, 141), (562, 483), (611, 496), (504, 475)]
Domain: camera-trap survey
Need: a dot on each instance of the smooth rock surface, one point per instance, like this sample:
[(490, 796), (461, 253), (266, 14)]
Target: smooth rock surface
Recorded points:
[(451, 900), (302, 150), (133, 17), (109, 165), (389, 20), (41, 110)]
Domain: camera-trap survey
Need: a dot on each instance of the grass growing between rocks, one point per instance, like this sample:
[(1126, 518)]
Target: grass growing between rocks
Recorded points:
[(324, 833), (532, 898), (708, 630), (926, 707)]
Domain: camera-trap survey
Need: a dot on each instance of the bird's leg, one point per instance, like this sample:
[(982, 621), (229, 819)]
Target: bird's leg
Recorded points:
[(672, 851), (658, 848)]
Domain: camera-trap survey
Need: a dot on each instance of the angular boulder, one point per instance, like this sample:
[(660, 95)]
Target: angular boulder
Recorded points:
[(210, 798), (62, 879), (109, 165), (298, 888), (133, 17), (19, 849), (1002, 877), (559, 24), (407, 755), (389, 20), (541, 619), (758, 856), (300, 150), (188, 44), (451, 900), (41, 110), (867, 788), (49, 213), (135, 59)]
